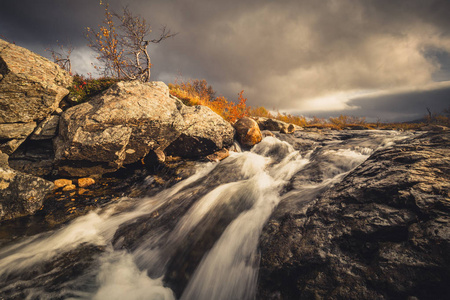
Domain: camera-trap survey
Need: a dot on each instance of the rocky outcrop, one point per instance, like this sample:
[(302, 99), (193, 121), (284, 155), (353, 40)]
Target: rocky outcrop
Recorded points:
[(247, 132), (31, 88), (20, 194), (119, 126), (204, 133), (12, 135), (382, 233), (129, 120), (275, 125)]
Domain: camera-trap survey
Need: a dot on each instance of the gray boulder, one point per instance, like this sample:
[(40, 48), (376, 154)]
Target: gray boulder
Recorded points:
[(204, 132), (275, 125), (117, 127), (382, 233), (20, 194), (31, 86)]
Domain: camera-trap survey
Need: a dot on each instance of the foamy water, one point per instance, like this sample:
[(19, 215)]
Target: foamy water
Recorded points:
[(253, 185)]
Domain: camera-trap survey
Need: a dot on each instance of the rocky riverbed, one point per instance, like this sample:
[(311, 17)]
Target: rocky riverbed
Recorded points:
[(134, 194)]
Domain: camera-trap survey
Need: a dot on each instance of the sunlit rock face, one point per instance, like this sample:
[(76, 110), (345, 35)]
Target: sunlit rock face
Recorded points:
[(119, 126), (383, 232), (247, 132), (130, 119), (31, 88)]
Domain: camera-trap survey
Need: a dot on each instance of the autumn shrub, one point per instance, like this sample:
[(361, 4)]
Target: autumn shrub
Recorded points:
[(83, 88), (198, 92)]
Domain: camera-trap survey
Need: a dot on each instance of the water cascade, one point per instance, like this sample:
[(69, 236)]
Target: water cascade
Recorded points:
[(195, 240)]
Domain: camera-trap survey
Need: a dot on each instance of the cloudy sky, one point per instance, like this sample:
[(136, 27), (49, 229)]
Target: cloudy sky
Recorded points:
[(386, 59)]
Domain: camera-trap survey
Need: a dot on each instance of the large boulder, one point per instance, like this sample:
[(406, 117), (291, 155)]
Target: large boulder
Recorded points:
[(130, 120), (20, 194), (31, 88), (382, 233), (247, 132), (117, 127), (205, 133)]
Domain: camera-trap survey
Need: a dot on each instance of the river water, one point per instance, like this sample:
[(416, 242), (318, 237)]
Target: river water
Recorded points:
[(195, 240)]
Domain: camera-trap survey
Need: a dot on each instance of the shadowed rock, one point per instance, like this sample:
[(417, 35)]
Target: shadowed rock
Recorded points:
[(205, 133), (382, 233), (20, 194)]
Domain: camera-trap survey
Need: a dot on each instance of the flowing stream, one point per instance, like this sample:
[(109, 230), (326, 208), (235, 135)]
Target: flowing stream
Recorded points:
[(195, 240)]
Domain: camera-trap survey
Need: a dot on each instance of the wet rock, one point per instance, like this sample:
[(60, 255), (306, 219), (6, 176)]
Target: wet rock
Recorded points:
[(59, 183), (219, 155), (288, 130), (69, 187), (357, 127), (382, 233), (266, 133), (247, 132), (20, 194), (275, 125), (205, 133), (433, 127), (85, 182), (35, 157), (115, 128), (31, 86)]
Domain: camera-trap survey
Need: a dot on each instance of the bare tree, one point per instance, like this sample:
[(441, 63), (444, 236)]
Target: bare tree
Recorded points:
[(123, 49), (62, 57)]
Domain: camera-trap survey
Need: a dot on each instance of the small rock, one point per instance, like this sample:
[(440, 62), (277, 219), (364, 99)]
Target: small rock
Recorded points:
[(433, 127), (218, 155), (59, 183), (82, 191), (69, 187), (247, 131), (266, 133), (85, 182), (289, 129), (160, 156)]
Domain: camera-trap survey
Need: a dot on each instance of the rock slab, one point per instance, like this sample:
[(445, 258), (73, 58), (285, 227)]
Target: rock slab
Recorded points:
[(382, 233), (20, 194), (31, 86), (130, 120)]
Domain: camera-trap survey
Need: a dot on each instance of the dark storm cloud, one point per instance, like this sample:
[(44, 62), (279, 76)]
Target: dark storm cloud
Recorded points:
[(302, 56)]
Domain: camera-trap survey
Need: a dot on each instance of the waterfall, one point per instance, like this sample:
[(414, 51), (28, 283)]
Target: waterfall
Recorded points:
[(195, 240)]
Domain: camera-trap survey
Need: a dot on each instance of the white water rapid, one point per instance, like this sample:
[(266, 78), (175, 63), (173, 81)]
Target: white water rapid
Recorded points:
[(195, 240)]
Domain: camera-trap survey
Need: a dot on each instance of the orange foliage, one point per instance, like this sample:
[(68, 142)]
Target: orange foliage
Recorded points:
[(197, 92)]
